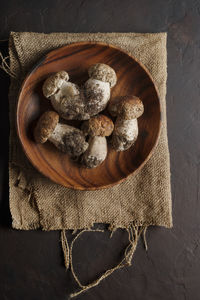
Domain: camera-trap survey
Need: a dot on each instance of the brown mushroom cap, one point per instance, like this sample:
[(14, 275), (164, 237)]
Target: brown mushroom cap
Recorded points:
[(99, 125), (104, 73), (128, 107), (54, 82), (45, 126)]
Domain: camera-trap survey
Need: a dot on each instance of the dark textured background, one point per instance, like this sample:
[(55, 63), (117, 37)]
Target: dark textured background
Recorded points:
[(31, 264)]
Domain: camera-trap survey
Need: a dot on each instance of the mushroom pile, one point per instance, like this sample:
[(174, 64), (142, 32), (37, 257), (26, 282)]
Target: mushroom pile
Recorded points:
[(88, 144)]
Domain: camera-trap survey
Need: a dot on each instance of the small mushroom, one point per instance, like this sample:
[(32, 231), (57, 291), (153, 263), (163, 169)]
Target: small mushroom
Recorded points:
[(53, 83), (96, 152), (65, 96), (97, 128), (97, 87), (73, 103), (66, 138), (99, 125), (127, 109)]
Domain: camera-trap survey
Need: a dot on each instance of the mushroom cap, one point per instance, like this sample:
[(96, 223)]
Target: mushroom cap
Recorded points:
[(99, 125), (104, 73), (127, 107), (54, 82), (45, 126)]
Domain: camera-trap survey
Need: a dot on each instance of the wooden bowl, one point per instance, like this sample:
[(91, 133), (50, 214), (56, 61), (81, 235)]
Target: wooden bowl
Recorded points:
[(133, 79)]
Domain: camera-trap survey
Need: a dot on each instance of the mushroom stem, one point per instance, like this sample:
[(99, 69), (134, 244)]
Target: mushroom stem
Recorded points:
[(96, 152), (97, 93), (58, 134), (125, 134), (68, 139)]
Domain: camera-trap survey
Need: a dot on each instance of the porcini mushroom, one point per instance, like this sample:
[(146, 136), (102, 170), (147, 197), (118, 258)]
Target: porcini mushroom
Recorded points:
[(74, 103), (127, 109), (97, 128), (97, 87), (65, 96), (66, 138), (54, 83)]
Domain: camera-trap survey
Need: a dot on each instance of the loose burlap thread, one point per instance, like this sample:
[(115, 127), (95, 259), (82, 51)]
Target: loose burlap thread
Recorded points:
[(142, 200)]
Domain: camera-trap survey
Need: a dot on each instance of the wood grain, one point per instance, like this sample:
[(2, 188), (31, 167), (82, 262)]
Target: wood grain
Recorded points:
[(133, 79)]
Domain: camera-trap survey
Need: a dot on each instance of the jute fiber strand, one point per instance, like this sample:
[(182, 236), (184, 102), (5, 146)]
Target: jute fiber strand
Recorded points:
[(140, 201)]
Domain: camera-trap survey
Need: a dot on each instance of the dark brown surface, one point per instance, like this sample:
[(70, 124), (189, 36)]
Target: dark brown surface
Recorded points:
[(76, 60), (31, 265)]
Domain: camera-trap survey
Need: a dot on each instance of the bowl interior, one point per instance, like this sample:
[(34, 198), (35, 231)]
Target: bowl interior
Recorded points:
[(133, 79)]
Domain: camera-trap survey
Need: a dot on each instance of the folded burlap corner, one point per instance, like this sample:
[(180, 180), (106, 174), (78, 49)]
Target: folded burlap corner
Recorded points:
[(143, 199)]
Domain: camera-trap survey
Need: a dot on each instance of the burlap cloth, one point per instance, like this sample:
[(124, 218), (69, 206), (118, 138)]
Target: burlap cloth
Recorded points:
[(36, 202)]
